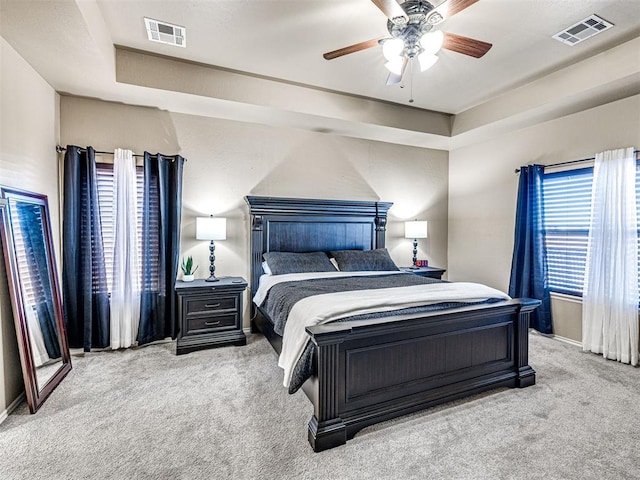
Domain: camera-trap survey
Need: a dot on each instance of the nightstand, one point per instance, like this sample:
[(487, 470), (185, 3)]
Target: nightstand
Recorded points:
[(433, 272), (210, 314)]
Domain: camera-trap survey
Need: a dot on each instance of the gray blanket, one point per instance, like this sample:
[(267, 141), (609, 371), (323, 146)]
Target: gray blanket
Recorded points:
[(283, 296)]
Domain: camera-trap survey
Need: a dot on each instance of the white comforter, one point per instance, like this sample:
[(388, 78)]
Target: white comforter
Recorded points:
[(319, 309)]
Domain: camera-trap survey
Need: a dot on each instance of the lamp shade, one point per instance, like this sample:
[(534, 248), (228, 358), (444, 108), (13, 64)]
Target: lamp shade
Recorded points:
[(432, 42), (415, 229), (427, 60), (392, 48), (395, 66), (211, 228)]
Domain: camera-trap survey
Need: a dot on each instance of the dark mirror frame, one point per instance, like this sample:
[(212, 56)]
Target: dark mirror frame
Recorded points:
[(35, 396)]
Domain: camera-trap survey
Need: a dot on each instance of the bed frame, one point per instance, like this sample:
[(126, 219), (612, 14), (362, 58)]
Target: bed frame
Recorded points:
[(371, 371)]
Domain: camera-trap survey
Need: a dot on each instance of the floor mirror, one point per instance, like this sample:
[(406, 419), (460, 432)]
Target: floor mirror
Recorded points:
[(27, 247)]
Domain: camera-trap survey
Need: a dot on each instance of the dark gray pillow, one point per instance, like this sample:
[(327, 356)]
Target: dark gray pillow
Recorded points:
[(290, 262), (364, 260)]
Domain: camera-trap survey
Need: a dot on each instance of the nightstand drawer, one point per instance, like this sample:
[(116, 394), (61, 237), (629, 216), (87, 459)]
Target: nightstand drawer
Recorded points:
[(211, 303), (200, 324)]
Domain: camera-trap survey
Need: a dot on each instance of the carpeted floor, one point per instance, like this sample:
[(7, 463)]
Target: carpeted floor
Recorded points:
[(222, 413)]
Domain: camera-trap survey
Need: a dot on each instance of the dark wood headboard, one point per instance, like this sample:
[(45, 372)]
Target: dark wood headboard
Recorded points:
[(312, 225)]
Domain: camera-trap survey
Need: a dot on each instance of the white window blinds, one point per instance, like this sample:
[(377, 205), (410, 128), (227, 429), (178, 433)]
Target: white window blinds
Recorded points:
[(105, 183), (567, 210)]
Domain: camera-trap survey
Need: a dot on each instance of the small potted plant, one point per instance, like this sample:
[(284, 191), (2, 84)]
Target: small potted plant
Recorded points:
[(188, 270)]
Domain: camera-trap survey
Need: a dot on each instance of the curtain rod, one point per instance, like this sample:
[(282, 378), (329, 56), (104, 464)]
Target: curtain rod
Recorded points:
[(60, 149), (517, 170)]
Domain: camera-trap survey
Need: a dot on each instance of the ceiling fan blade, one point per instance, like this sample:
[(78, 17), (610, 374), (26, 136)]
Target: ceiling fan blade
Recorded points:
[(390, 8), (465, 45), (394, 79), (451, 7), (351, 49)]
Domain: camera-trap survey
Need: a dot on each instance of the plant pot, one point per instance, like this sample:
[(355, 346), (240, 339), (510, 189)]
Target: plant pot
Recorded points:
[(188, 278)]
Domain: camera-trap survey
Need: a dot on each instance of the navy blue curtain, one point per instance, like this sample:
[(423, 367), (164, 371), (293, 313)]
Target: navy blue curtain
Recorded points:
[(31, 226), (160, 246), (529, 263), (84, 282)]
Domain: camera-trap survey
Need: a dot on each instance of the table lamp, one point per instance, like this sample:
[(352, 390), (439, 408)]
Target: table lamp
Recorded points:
[(211, 228), (415, 229)]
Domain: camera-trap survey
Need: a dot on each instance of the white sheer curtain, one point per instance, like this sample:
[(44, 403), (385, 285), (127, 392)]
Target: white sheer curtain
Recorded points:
[(125, 290), (610, 298)]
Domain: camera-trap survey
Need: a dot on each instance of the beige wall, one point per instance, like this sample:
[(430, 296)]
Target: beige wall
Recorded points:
[(228, 160), (28, 136), (483, 188)]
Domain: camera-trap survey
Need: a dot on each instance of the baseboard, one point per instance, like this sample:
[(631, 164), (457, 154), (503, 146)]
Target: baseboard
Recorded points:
[(570, 341), (12, 407)]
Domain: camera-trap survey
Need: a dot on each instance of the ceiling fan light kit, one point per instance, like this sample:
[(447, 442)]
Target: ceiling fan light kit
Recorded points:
[(427, 60), (432, 42), (410, 25), (395, 66), (392, 48)]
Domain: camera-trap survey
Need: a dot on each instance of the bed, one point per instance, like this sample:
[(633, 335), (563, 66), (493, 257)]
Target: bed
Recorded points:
[(370, 371)]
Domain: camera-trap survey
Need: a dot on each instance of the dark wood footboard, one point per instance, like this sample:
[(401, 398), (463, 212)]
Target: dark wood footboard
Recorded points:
[(370, 373), (376, 370)]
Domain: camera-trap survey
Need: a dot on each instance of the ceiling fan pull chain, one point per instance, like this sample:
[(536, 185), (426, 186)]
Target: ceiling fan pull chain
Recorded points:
[(411, 81)]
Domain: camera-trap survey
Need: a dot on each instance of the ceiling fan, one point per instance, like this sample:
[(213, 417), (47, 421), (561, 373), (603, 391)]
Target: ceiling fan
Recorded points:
[(411, 25)]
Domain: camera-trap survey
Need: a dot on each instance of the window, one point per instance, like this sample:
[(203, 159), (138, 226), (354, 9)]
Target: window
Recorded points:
[(105, 183), (567, 211)]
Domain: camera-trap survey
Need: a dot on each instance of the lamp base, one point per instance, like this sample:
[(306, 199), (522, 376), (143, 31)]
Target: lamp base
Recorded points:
[(415, 253), (212, 259)]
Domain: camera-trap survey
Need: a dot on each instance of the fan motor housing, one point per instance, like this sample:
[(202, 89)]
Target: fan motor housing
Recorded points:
[(412, 29)]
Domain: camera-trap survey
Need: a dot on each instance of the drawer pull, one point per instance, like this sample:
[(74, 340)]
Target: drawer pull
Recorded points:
[(212, 305), (211, 324)]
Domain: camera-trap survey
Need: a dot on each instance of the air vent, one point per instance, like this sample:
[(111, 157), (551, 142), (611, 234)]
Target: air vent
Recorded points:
[(166, 33), (582, 30)]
